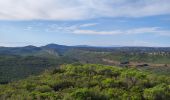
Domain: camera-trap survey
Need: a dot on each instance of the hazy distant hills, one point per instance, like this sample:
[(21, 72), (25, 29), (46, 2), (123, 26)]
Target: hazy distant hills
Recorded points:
[(61, 49), (19, 50)]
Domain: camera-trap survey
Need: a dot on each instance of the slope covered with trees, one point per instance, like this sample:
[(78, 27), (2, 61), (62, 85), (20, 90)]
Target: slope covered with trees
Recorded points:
[(20, 62), (13, 67), (89, 82)]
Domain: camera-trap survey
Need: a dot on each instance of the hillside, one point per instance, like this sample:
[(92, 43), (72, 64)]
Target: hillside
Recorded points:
[(14, 67), (89, 82), (20, 62)]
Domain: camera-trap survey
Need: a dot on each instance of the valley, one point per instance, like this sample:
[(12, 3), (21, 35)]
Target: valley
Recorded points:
[(20, 62)]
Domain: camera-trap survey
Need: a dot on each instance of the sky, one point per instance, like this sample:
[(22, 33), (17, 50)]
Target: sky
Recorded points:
[(85, 22)]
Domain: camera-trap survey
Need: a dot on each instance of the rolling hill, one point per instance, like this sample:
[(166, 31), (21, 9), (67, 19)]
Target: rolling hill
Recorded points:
[(20, 62)]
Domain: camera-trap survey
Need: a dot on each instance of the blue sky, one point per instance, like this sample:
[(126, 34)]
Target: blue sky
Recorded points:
[(85, 22)]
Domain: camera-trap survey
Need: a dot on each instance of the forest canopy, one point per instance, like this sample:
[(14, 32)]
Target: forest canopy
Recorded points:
[(89, 81)]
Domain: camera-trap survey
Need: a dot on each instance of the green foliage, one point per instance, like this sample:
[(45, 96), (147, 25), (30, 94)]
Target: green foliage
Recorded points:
[(19, 63), (19, 67), (157, 92), (86, 94), (89, 82)]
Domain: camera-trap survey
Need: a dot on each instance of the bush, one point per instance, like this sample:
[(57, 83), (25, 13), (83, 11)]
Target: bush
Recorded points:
[(159, 92), (89, 82)]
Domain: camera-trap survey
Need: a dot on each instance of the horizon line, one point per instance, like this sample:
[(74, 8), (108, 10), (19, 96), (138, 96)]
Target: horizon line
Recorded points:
[(84, 45)]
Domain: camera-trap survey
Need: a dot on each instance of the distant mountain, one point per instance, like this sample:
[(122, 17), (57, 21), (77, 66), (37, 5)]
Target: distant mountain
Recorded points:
[(54, 46), (19, 50), (62, 49), (84, 46), (33, 50), (98, 46)]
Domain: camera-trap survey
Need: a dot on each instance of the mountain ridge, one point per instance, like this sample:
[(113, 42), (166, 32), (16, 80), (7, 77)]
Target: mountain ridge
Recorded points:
[(111, 46)]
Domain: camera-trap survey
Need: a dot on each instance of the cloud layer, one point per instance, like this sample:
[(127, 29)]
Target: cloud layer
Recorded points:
[(80, 9), (79, 29)]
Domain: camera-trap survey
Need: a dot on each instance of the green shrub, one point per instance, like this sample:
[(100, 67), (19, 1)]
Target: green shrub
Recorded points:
[(89, 82)]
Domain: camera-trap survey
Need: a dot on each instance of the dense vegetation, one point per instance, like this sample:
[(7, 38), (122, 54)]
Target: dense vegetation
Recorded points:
[(18, 67), (20, 62), (143, 57), (89, 82), (157, 63)]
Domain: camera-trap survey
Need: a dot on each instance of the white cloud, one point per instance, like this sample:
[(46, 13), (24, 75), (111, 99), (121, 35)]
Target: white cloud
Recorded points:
[(141, 30), (79, 29), (91, 32), (88, 24), (68, 28), (28, 28), (80, 9)]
